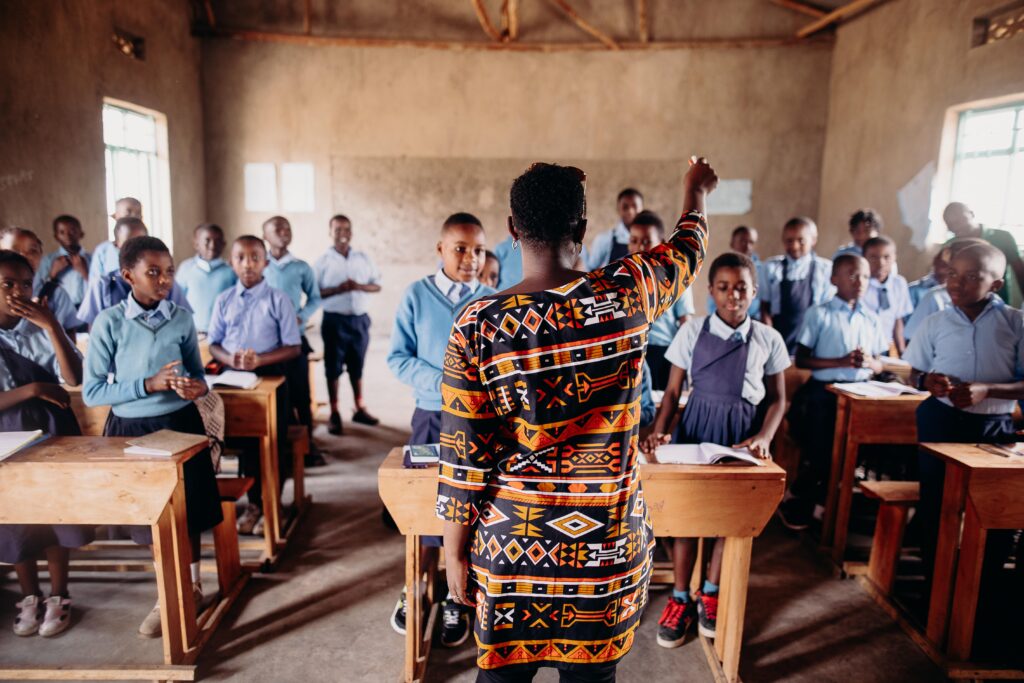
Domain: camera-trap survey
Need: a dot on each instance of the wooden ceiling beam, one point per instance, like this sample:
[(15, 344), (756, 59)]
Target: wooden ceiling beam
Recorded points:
[(510, 20), (845, 12), (584, 26), (485, 21), (307, 17), (801, 7), (642, 23), (211, 19)]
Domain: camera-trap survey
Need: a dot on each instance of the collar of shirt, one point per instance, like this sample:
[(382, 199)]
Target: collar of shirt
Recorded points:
[(797, 262), (254, 291), (994, 302), (446, 284), (875, 283), (22, 329), (621, 233), (287, 258), (837, 304), (133, 309), (720, 329), (209, 266)]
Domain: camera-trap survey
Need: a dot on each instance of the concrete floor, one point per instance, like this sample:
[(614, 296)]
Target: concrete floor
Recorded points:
[(323, 615)]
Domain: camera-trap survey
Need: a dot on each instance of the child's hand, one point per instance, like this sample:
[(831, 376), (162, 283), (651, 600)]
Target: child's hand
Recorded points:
[(758, 445), (51, 393), (162, 380), (968, 394), (653, 440), (59, 265), (854, 359), (78, 263), (188, 388), (36, 312), (700, 177), (874, 364), (938, 385), (245, 359)]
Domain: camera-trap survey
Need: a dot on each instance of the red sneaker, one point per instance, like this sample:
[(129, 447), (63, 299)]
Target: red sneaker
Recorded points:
[(676, 619)]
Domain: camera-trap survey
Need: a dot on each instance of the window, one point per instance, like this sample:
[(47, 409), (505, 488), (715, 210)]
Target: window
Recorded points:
[(136, 160), (988, 166)]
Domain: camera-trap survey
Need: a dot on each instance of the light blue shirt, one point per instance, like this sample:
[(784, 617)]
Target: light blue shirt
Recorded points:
[(935, 300), (332, 269), (833, 329), (899, 301), (150, 317), (989, 349), (511, 261), (664, 328), (755, 304), (201, 281), (600, 252), (72, 282), (260, 318), (133, 351), (918, 288), (111, 290), (295, 278), (29, 342), (799, 269), (105, 258), (60, 303)]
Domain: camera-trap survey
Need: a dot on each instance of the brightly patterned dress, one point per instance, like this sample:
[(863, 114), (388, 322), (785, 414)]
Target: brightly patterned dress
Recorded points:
[(541, 400)]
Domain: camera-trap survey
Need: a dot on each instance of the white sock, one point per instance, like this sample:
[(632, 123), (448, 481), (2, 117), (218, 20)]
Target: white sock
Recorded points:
[(194, 570)]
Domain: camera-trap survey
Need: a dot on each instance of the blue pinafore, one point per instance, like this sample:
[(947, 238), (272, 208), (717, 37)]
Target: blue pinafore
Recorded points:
[(795, 297), (717, 411)]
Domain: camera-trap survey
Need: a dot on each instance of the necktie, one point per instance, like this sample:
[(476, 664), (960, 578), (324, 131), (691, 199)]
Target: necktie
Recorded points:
[(736, 337), (883, 299), (463, 291)]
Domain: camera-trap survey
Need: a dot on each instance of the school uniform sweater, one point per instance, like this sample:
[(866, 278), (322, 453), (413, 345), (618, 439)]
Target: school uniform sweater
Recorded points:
[(202, 282), (295, 278)]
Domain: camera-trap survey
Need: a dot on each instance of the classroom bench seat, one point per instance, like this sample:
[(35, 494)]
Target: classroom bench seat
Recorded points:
[(225, 534), (896, 499)]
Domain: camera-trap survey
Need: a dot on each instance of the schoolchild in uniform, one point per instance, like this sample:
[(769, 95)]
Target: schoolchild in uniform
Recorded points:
[(28, 244), (105, 256), (743, 240), (888, 294), (490, 271), (935, 278), (840, 341), (937, 298), (68, 266), (614, 244), (204, 276), (735, 365), (795, 281), (35, 354), (865, 224), (149, 345)]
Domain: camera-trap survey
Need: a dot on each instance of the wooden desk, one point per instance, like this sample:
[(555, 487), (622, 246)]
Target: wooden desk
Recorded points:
[(99, 484), (985, 492), (860, 420), (684, 500)]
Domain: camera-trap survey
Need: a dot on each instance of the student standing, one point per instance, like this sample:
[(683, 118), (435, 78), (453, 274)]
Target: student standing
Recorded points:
[(346, 278), (105, 255), (743, 240), (865, 224), (614, 244), (888, 295), (68, 266), (204, 276)]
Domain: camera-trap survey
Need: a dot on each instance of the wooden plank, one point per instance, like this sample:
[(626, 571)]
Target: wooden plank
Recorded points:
[(844, 497), (954, 494), (892, 492), (510, 20), (584, 25), (485, 21), (845, 12), (801, 7), (968, 580), (996, 496), (167, 589), (642, 21), (886, 544), (128, 672), (735, 561), (838, 453)]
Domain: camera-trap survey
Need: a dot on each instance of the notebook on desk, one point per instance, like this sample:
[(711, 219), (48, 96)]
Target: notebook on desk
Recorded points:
[(705, 454), (164, 443), (12, 442), (236, 379)]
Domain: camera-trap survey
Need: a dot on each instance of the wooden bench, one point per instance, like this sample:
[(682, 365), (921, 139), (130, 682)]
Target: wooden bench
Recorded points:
[(225, 534), (896, 498)]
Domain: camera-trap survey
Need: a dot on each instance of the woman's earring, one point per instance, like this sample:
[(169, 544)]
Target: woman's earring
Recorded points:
[(579, 249), (515, 244)]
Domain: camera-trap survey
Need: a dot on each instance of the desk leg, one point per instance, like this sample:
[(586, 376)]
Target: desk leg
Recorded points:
[(845, 500), (735, 573), (275, 496), (174, 584), (838, 451), (954, 494), (414, 606), (968, 581)]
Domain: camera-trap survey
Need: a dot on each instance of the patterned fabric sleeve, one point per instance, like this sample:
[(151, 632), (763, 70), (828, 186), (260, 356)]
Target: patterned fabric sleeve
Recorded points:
[(470, 428)]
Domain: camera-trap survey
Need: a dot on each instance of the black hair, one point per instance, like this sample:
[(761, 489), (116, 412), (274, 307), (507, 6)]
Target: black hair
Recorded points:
[(843, 259), (797, 221), (869, 216), (738, 230), (490, 254), (250, 240), (66, 218), (339, 217), (880, 241), (547, 203), (461, 218), (128, 222), (958, 244), (731, 259), (210, 227), (132, 250), (629, 192), (13, 258), (647, 217), (274, 219), (15, 231), (988, 256)]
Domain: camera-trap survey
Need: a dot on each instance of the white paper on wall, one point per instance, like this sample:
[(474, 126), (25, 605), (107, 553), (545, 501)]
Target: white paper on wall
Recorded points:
[(260, 187), (297, 187), (731, 197), (915, 200)]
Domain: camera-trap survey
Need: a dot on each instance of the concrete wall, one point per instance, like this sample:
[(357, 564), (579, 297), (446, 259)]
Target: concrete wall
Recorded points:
[(57, 63), (895, 72), (400, 138)]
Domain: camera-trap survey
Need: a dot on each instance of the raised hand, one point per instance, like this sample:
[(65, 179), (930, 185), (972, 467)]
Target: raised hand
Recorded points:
[(700, 177), (36, 312)]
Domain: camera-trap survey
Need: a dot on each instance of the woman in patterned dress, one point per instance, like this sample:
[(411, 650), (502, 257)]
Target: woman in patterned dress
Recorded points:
[(546, 531)]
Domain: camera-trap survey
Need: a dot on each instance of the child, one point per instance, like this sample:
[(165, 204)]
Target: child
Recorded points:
[(69, 265), (34, 354), (646, 232), (970, 358), (296, 279), (839, 342), (888, 296), (936, 278), (104, 256), (490, 270), (614, 244), (204, 276), (254, 327), (744, 241), (422, 327), (794, 281), (149, 346), (346, 276), (735, 366), (937, 298), (28, 244), (865, 224), (111, 288)]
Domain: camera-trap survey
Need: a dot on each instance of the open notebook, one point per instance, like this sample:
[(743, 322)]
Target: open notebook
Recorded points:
[(873, 389), (238, 379), (12, 442), (164, 443), (704, 454)]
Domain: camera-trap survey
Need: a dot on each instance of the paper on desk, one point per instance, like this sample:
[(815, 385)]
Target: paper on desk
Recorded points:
[(703, 454), (12, 442), (239, 379), (164, 443), (874, 389)]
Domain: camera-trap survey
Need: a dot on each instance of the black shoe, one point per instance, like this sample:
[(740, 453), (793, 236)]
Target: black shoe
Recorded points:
[(334, 425), (364, 418), (794, 514), (676, 619), (454, 624), (707, 614), (398, 616)]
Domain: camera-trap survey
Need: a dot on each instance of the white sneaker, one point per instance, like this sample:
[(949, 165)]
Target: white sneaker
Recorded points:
[(257, 529), (150, 626), (27, 621), (58, 616)]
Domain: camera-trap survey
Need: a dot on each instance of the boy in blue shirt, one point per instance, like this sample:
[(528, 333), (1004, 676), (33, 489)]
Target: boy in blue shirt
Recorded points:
[(888, 294), (254, 328), (105, 256), (204, 276), (614, 244), (839, 341), (28, 244), (422, 327), (970, 358), (69, 265), (296, 279)]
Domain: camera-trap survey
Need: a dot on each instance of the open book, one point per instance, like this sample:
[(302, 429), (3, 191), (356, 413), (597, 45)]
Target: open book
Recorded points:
[(873, 389), (164, 443), (12, 442), (421, 454), (704, 454), (239, 379)]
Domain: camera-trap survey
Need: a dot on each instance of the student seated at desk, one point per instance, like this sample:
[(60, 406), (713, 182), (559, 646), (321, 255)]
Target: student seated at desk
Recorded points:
[(112, 288), (150, 346), (204, 276), (490, 270), (735, 366), (839, 342), (28, 244), (970, 358), (105, 257), (937, 298), (69, 265), (35, 354), (888, 295), (254, 328), (935, 278), (422, 328)]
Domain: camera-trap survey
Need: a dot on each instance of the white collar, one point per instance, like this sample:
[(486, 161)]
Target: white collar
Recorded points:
[(445, 283), (719, 328), (133, 309), (208, 266), (287, 258)]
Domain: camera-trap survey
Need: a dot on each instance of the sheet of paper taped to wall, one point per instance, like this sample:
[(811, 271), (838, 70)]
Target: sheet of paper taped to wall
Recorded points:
[(915, 200), (731, 197)]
